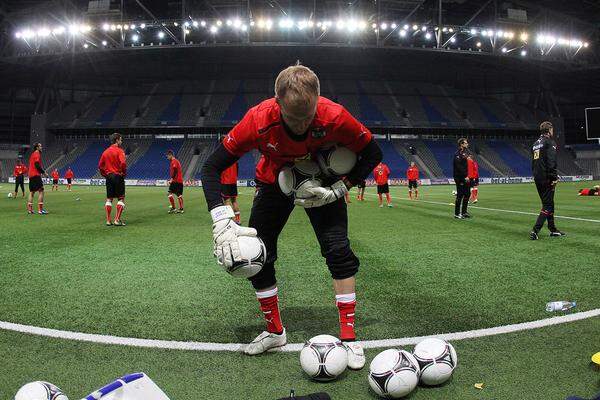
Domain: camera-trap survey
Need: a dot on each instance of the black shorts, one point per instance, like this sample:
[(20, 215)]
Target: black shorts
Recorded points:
[(362, 184), (270, 212), (229, 190), (176, 188), (381, 189), (115, 186), (36, 184), (55, 181), (69, 181), (474, 182), (412, 184)]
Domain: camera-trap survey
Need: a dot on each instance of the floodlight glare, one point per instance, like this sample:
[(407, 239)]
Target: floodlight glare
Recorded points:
[(452, 40), (478, 44), (423, 28), (195, 24), (228, 22), (504, 49), (104, 43), (473, 31), (524, 36), (143, 26), (18, 35), (384, 26), (85, 46), (362, 25), (405, 27), (451, 30), (394, 26), (135, 38), (586, 44), (105, 27), (213, 29), (523, 53), (428, 36), (132, 26), (202, 23), (237, 23), (161, 35), (415, 27), (186, 24), (402, 33), (444, 29)]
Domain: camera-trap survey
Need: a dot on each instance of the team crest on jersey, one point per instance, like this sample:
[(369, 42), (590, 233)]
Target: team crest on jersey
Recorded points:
[(304, 157), (318, 132)]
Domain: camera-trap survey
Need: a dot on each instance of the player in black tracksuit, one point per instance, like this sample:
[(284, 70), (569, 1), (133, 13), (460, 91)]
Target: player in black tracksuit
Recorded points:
[(461, 178), (543, 164)]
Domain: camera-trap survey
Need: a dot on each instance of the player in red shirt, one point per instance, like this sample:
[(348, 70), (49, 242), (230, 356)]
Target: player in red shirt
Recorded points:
[(291, 126), (412, 175), (55, 178), (69, 175), (175, 183), (35, 180), (361, 190), (229, 190), (381, 174), (113, 167), (595, 191), (473, 173), (19, 174)]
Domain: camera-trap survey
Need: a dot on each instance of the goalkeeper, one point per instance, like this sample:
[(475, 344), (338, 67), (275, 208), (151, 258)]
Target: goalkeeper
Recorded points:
[(292, 126)]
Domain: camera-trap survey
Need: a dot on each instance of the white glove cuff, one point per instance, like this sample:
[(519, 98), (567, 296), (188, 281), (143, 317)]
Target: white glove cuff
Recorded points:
[(221, 212)]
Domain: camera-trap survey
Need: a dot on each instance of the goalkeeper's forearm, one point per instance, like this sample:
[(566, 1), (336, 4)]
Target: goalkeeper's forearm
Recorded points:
[(210, 174), (368, 158)]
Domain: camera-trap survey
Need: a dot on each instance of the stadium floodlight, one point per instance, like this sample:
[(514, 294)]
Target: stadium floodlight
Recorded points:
[(453, 40), (490, 33), (451, 30), (237, 23), (175, 24), (105, 27), (523, 53), (186, 31), (195, 24), (203, 23), (85, 45), (132, 26), (310, 23), (340, 24), (18, 35), (125, 27), (394, 26), (113, 28), (484, 33), (268, 24), (373, 25), (511, 35), (473, 31), (444, 29), (135, 38), (504, 49), (402, 33), (104, 43), (423, 28), (428, 36), (73, 29), (244, 28), (586, 45), (161, 35), (143, 26), (405, 27), (214, 29), (43, 32), (478, 44), (219, 22), (28, 34), (229, 22), (415, 27), (186, 24), (261, 24), (523, 36), (499, 33), (384, 26), (119, 27)]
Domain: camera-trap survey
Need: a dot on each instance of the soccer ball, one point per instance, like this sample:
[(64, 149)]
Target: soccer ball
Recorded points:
[(254, 255), (295, 180), (336, 160), (10, 194), (40, 391), (394, 373), (324, 358), (454, 192), (437, 359)]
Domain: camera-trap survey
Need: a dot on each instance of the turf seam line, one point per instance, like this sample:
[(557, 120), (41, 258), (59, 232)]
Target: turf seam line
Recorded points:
[(294, 347)]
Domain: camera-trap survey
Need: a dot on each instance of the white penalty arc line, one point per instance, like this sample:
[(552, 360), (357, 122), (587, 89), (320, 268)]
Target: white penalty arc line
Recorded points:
[(295, 347)]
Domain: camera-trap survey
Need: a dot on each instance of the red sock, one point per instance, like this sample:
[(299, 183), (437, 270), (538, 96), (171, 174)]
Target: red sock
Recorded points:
[(269, 305), (346, 304), (388, 198), (475, 193), (108, 208), (40, 207), (237, 217), (29, 207), (172, 201), (416, 193), (180, 200), (120, 207), (410, 194)]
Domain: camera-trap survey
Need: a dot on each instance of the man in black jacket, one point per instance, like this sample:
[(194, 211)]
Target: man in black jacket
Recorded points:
[(461, 178), (543, 164)]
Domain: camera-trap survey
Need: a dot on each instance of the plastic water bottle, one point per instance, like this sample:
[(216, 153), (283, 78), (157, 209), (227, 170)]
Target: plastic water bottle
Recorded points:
[(560, 305)]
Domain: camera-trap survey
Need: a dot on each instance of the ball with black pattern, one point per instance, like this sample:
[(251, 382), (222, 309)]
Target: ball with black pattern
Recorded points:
[(324, 358), (394, 373), (437, 360)]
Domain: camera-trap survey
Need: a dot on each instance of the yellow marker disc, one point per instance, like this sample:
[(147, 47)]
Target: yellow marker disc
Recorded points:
[(478, 385), (596, 358)]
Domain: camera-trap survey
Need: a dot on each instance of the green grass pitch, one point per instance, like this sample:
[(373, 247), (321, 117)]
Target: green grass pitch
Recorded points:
[(422, 273)]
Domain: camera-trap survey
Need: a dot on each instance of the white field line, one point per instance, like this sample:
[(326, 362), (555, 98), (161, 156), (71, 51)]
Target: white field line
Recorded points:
[(441, 203), (237, 347)]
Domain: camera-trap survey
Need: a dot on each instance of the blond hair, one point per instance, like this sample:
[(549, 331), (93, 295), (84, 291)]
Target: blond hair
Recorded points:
[(545, 127), (297, 84)]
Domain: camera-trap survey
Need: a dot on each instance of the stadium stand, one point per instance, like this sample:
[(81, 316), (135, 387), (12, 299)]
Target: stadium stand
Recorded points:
[(443, 151), (397, 163), (520, 165), (153, 164), (86, 164), (488, 157)]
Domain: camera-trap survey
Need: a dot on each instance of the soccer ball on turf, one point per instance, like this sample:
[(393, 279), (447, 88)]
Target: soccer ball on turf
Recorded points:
[(324, 358), (10, 194), (454, 193), (295, 180), (336, 160), (394, 373), (253, 253), (40, 391), (437, 359)]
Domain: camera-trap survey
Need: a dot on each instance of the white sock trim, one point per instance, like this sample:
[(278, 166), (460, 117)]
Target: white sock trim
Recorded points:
[(170, 196), (345, 298), (120, 203), (108, 204), (267, 293)]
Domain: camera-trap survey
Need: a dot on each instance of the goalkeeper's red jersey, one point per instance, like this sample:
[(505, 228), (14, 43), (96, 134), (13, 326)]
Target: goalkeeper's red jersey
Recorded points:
[(262, 128)]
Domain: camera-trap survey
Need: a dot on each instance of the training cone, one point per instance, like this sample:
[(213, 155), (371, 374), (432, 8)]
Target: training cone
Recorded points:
[(596, 358)]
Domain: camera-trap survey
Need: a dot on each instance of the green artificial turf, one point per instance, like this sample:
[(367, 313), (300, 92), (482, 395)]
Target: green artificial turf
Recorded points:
[(422, 272)]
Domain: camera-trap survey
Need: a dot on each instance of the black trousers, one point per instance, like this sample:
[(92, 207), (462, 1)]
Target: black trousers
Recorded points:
[(19, 181), (270, 212), (462, 197), (545, 190)]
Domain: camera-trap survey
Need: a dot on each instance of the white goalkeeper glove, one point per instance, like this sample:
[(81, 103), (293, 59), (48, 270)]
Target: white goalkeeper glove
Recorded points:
[(323, 195), (225, 236)]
